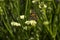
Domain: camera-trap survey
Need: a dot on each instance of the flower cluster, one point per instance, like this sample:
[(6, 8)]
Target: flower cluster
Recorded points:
[(31, 22), (15, 24), (42, 5)]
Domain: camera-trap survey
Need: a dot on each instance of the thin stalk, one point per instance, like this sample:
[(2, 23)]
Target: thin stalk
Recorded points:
[(10, 31), (54, 4), (7, 25), (26, 7)]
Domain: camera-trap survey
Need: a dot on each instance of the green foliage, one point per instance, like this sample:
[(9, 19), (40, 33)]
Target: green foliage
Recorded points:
[(29, 20)]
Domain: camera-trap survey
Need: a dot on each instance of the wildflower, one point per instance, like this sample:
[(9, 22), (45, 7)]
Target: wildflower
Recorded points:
[(22, 17), (46, 23), (42, 5), (39, 6), (45, 6), (27, 22), (32, 38), (33, 22), (34, 1), (15, 24)]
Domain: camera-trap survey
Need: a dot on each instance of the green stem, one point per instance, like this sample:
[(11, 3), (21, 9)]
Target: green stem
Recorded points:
[(54, 4), (10, 31), (26, 7)]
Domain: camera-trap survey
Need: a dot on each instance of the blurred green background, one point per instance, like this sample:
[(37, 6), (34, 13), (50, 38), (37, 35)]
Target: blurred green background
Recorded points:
[(29, 20)]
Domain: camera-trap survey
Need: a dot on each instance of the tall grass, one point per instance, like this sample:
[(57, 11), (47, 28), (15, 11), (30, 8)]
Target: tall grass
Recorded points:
[(43, 23)]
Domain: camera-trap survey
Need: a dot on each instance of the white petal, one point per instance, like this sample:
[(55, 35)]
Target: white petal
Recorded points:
[(15, 24), (33, 22), (22, 16), (45, 6), (27, 22), (33, 1)]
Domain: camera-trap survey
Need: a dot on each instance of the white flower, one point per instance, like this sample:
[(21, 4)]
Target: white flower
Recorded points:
[(15, 24), (33, 22), (32, 38), (27, 22), (22, 16), (39, 6), (45, 6), (34, 1), (46, 23), (42, 5)]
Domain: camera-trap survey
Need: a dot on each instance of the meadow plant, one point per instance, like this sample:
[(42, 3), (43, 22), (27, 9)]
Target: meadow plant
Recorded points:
[(29, 20)]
